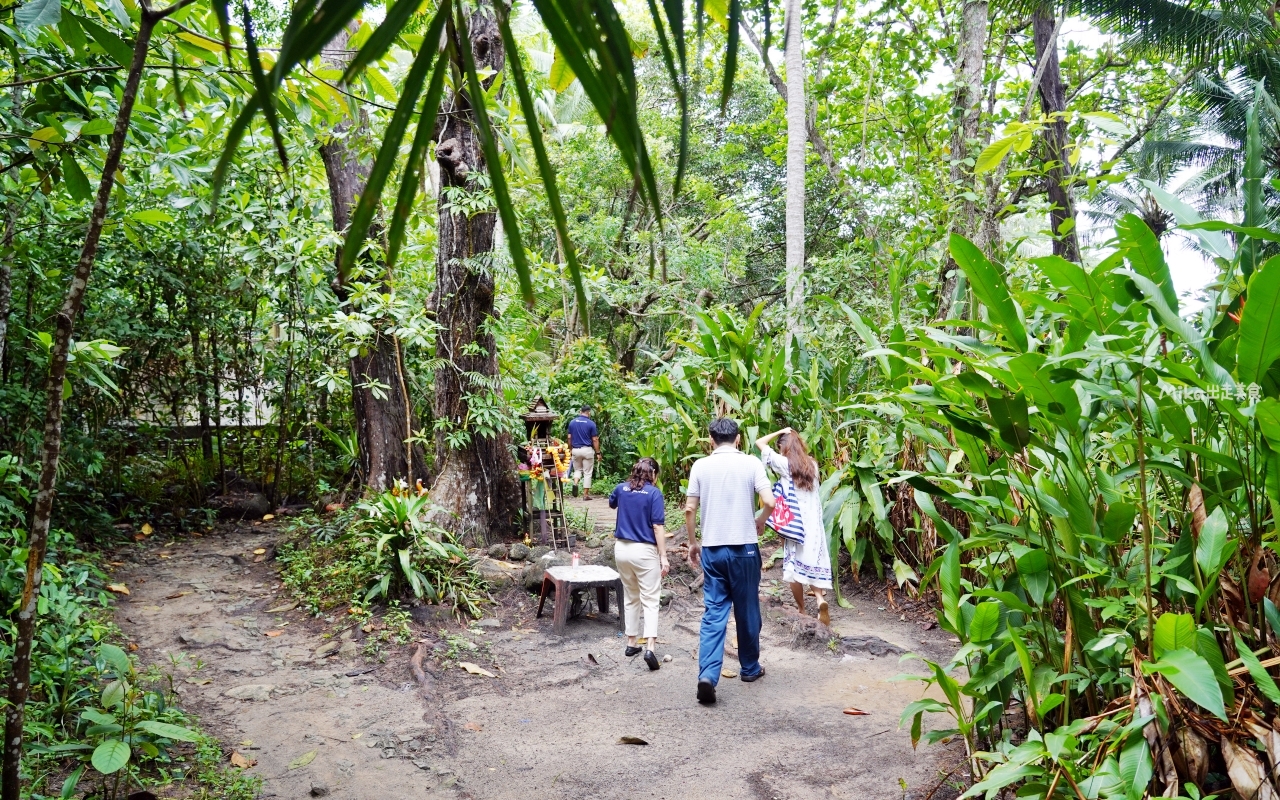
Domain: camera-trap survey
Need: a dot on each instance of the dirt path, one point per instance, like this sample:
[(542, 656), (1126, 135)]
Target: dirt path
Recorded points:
[(332, 724)]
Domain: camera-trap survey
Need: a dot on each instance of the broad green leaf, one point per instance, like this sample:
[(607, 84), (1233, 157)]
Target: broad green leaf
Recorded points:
[(1058, 400), (35, 13), (1264, 681), (1259, 344), (986, 622), (116, 657), (1191, 674), (1136, 767), (1174, 631), (992, 290), (71, 32), (151, 216), (1142, 250), (1208, 649), (120, 51), (1273, 615), (113, 694), (949, 584), (202, 42), (561, 76), (993, 154), (381, 84), (110, 756), (76, 181), (1118, 522), (97, 127), (164, 729), (1211, 550)]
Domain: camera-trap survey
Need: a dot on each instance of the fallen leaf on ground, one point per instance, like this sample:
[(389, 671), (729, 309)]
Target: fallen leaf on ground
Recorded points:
[(283, 608), (240, 761), (631, 740), (199, 681), (476, 670), (118, 588), (146, 529), (116, 563), (177, 595), (259, 559), (166, 555), (474, 726), (357, 735), (133, 648), (268, 517), (273, 634), (247, 743), (260, 551), (856, 712), (610, 691), (728, 673), (303, 760)]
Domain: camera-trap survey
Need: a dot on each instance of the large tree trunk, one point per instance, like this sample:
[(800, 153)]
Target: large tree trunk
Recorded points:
[(966, 109), (379, 391), (51, 443), (1053, 100), (475, 486), (797, 132)]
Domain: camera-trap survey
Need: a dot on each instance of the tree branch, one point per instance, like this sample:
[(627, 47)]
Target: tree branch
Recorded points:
[(1152, 119)]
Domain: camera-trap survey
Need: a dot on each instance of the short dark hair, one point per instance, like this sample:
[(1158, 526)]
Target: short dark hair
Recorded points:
[(724, 430), (585, 408)]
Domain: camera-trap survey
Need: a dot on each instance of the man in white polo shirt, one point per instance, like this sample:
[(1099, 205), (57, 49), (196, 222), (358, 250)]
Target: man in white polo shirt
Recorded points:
[(726, 484)]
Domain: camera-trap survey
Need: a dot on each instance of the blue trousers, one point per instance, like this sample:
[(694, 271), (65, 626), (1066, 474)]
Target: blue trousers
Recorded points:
[(731, 578)]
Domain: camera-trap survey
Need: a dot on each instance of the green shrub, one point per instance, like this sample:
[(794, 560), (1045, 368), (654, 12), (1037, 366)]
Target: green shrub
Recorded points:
[(385, 549)]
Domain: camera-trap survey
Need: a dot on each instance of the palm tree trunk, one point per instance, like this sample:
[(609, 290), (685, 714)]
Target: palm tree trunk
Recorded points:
[(966, 108), (475, 486), (51, 443), (1053, 100), (797, 133)]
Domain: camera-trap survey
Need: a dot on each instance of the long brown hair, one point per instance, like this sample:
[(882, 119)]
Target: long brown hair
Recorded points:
[(641, 474), (804, 470)]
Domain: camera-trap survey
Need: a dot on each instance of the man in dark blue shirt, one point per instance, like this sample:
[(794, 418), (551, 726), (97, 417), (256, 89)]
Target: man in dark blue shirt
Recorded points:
[(584, 445)]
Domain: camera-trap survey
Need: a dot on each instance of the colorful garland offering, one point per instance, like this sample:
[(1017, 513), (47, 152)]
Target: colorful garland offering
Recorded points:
[(560, 455)]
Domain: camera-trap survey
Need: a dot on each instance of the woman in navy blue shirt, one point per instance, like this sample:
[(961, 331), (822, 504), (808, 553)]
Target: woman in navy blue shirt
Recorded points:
[(641, 554)]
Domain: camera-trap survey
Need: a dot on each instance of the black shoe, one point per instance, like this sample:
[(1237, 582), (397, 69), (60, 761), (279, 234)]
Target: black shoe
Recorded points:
[(651, 660), (706, 693), (631, 651), (751, 678), (575, 490)]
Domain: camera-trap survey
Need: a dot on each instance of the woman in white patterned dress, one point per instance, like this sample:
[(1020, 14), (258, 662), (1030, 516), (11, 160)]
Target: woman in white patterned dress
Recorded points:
[(806, 563)]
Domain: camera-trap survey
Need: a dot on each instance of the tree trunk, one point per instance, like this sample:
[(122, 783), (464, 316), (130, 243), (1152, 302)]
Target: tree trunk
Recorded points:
[(1053, 100), (966, 109), (51, 444), (475, 485), (383, 409), (797, 132)]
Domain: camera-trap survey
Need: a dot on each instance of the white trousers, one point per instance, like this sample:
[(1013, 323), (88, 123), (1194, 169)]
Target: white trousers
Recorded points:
[(584, 463), (641, 570)]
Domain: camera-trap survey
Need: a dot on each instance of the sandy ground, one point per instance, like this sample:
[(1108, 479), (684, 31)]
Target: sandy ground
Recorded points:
[(322, 723)]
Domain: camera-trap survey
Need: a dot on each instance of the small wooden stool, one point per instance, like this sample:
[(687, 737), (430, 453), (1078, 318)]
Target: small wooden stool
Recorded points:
[(568, 580)]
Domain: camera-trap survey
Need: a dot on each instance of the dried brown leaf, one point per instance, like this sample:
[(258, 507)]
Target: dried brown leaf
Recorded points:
[(1248, 776)]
